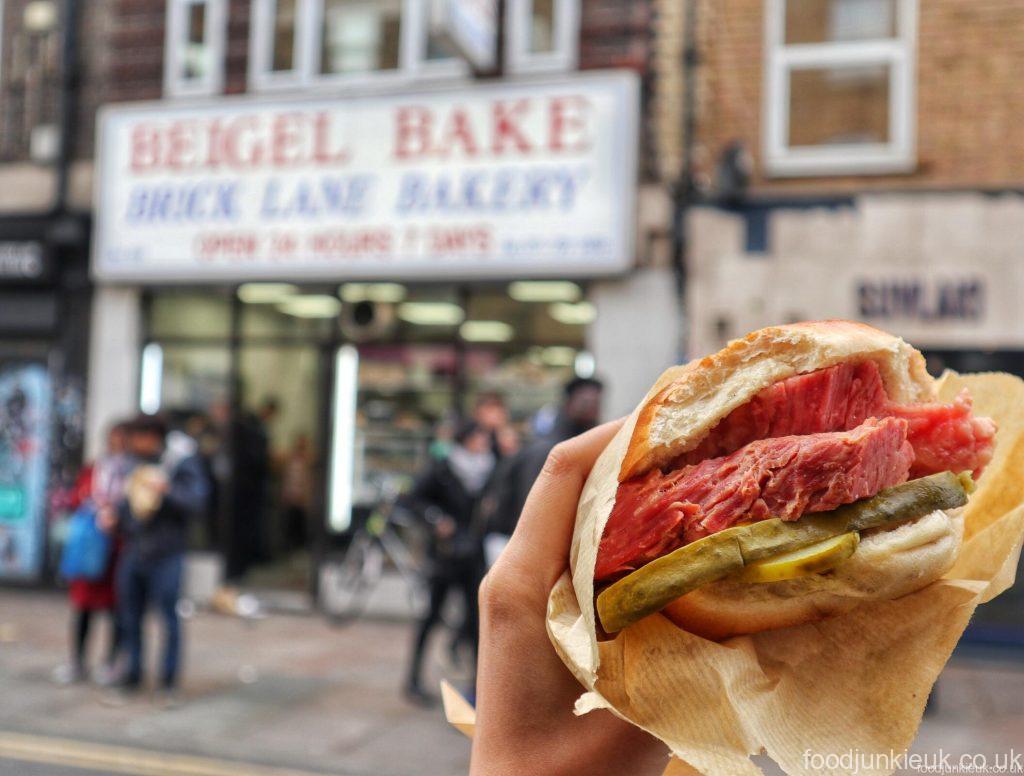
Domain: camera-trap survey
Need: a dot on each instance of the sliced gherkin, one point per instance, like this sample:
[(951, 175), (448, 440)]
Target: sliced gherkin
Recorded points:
[(812, 559), (651, 587)]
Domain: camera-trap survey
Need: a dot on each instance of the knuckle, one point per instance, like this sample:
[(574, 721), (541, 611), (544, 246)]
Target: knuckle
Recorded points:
[(498, 597), (560, 460)]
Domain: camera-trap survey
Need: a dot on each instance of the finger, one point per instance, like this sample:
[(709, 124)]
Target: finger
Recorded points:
[(544, 532)]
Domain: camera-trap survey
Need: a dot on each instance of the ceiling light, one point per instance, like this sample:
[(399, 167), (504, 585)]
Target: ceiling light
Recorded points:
[(311, 306), (584, 364), (266, 293), (431, 313), (578, 314), (544, 291), (558, 355), (40, 16), (486, 331), (372, 292)]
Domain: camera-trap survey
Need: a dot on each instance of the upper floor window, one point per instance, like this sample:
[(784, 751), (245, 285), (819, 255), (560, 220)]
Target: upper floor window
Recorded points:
[(542, 34), (194, 47), (304, 42), (839, 86)]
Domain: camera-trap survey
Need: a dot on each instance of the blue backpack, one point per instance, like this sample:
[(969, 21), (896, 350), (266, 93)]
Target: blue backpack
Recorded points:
[(86, 548)]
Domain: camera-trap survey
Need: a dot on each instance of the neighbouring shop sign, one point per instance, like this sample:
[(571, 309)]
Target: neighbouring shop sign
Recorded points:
[(502, 180), (22, 261), (921, 299)]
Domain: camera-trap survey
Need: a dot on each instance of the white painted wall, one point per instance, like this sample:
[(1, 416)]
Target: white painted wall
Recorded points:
[(114, 348), (636, 336), (26, 187), (819, 259)]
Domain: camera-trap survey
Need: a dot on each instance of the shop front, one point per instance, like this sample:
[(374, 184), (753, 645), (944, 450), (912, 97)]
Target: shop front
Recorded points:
[(262, 360), (44, 302), (334, 283)]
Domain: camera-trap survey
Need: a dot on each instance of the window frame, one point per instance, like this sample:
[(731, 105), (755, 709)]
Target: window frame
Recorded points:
[(413, 66), (261, 54), (518, 57), (214, 32), (898, 54)]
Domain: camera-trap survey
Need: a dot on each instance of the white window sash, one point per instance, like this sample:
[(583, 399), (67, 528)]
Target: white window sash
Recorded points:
[(898, 55), (214, 32), (412, 65), (261, 47), (416, 29), (519, 58)]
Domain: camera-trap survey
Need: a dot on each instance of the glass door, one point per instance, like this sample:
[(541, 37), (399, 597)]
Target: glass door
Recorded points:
[(279, 438)]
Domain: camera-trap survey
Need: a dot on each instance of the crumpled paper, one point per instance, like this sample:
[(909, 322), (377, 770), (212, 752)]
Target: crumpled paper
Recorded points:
[(858, 681)]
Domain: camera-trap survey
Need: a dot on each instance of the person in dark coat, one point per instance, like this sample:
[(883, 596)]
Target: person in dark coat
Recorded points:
[(580, 411), (447, 495), (165, 492)]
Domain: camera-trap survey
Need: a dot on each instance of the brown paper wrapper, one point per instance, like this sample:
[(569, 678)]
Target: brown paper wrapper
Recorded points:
[(857, 681)]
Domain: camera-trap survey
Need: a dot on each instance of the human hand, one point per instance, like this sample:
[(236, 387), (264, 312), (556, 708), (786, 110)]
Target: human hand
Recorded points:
[(525, 695), (445, 528), (106, 518)]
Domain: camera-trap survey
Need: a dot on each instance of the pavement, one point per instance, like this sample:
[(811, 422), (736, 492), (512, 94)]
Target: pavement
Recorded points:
[(288, 691), (291, 695)]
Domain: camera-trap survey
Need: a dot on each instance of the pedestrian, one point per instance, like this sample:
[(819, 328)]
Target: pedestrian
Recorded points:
[(579, 412), (296, 487), (166, 490), (509, 444), (447, 495), (491, 413), (99, 487)]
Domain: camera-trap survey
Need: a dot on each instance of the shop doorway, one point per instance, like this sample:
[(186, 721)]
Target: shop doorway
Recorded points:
[(277, 458)]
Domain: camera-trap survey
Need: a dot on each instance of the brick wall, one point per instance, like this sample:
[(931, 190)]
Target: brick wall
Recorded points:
[(29, 74), (122, 60), (617, 34), (969, 100), (613, 34)]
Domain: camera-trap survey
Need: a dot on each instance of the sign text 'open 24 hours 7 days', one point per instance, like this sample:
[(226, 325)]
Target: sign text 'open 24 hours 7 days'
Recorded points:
[(515, 179)]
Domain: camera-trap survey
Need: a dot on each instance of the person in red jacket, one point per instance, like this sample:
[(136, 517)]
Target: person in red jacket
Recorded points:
[(102, 482)]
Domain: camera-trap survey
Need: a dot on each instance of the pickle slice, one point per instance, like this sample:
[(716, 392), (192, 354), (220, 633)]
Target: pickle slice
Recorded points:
[(812, 559), (664, 579)]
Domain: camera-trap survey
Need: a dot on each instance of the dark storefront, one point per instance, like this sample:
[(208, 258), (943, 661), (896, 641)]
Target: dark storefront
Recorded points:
[(44, 317)]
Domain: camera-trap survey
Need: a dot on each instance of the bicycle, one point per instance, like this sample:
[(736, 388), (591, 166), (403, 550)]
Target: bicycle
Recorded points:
[(381, 539)]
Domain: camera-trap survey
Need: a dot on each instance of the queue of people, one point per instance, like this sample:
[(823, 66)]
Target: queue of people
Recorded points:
[(142, 493), (153, 485)]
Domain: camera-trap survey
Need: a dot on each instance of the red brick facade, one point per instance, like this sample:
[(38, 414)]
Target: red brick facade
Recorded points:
[(969, 95), (123, 56)]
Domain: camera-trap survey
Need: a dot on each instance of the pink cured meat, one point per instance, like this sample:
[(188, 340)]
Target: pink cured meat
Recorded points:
[(841, 397), (780, 477), (659, 512)]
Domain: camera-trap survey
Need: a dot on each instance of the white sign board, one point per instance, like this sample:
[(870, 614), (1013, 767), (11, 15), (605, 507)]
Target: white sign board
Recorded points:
[(472, 26), (506, 180)]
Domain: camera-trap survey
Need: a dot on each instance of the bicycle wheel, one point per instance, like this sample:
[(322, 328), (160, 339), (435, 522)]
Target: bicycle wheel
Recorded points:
[(346, 587)]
